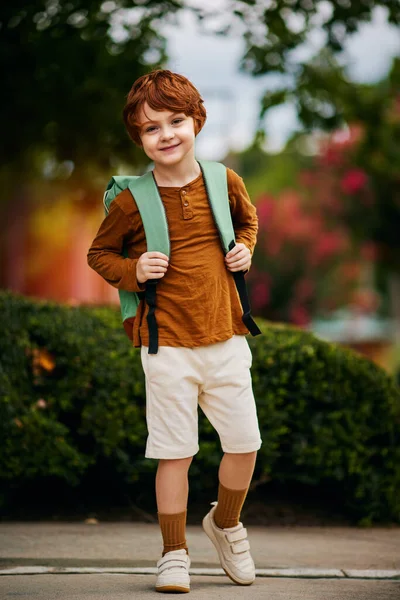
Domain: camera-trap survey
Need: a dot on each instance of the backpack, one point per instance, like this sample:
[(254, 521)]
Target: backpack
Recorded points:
[(146, 195)]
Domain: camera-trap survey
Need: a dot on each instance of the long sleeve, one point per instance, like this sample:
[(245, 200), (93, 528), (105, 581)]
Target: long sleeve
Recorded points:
[(105, 254), (244, 214)]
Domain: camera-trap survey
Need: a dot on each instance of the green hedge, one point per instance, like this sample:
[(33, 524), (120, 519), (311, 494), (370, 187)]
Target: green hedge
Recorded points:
[(72, 405)]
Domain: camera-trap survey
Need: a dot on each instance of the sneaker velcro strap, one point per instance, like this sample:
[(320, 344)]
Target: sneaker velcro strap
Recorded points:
[(172, 562), (240, 547), (236, 536)]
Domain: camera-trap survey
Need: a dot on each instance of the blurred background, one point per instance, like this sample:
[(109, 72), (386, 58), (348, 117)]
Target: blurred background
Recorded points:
[(303, 101)]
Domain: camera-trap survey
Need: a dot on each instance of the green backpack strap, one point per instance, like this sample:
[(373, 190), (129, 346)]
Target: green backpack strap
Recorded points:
[(152, 213), (147, 197), (115, 186), (129, 301), (216, 182)]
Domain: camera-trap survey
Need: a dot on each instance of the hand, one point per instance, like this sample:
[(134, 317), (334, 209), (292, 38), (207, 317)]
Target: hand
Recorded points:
[(151, 265), (238, 259)]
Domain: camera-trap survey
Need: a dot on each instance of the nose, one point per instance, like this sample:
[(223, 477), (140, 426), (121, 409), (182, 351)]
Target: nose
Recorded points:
[(167, 133)]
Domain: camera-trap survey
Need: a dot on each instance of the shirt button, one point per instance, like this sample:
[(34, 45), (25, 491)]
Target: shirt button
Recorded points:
[(183, 192), (186, 204)]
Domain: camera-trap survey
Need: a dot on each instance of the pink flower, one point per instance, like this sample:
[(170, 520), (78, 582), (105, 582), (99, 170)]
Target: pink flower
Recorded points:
[(332, 203), (299, 315), (265, 209), (307, 178), (302, 229), (273, 243), (354, 181), (41, 403), (327, 246), (260, 295), (331, 157), (356, 133)]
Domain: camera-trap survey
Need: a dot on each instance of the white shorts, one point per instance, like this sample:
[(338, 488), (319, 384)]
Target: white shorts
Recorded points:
[(216, 377)]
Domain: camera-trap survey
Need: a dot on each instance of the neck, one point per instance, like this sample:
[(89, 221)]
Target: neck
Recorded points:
[(177, 175)]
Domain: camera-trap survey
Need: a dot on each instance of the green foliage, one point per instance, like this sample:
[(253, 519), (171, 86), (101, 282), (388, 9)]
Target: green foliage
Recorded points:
[(269, 174), (67, 69), (330, 417), (61, 389), (274, 31), (67, 66), (372, 112), (72, 397)]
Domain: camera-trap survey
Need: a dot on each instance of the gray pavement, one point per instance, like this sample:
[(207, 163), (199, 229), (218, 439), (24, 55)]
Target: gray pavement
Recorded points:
[(139, 544), (292, 562), (138, 587)]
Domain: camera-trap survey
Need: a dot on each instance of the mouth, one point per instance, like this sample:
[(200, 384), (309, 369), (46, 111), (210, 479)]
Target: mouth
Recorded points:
[(169, 148)]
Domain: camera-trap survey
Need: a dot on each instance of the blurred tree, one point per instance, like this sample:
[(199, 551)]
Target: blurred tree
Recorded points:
[(353, 180), (304, 262), (67, 64), (281, 37), (326, 99), (359, 164), (66, 67), (264, 171)]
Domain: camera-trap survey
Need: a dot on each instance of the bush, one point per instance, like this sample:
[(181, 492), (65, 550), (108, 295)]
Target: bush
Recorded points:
[(72, 409)]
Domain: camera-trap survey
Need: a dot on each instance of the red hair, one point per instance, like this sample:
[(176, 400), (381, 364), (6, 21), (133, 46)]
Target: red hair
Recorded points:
[(162, 90)]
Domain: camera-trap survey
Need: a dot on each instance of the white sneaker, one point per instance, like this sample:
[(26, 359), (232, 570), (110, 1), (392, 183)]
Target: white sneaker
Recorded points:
[(233, 549), (173, 572)]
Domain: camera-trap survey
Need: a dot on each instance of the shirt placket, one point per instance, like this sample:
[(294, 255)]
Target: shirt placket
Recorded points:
[(185, 202)]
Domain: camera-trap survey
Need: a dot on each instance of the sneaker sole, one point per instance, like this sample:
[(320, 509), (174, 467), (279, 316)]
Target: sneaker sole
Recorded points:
[(172, 589), (209, 532)]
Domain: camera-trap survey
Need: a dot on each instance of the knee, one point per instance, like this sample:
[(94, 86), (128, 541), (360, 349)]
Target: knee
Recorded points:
[(242, 457), (179, 464)]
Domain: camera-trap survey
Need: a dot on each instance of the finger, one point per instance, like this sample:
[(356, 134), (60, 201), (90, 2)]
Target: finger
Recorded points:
[(157, 255), (155, 275), (238, 249), (238, 256), (157, 262), (235, 269), (234, 251), (239, 261), (156, 269)]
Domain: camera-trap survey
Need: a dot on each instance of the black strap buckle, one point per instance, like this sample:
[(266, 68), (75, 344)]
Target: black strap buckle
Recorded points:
[(244, 300), (150, 297)]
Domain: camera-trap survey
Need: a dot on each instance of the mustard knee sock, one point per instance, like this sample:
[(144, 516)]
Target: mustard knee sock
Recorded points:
[(230, 502), (173, 530)]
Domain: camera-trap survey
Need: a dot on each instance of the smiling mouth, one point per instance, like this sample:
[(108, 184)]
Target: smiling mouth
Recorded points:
[(169, 147)]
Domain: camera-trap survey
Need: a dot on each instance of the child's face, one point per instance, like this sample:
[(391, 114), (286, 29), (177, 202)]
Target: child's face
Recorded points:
[(167, 137)]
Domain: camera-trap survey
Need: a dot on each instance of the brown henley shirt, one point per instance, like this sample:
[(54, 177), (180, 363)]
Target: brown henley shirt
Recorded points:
[(197, 301)]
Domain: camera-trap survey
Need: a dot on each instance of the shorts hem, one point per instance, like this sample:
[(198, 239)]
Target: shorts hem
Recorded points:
[(198, 343), (170, 455), (242, 449)]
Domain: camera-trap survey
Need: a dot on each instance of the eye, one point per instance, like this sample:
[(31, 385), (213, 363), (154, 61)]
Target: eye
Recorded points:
[(177, 120), (150, 128)]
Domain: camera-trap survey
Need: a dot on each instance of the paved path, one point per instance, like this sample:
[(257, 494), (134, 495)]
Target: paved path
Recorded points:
[(139, 544), (138, 587), (320, 563)]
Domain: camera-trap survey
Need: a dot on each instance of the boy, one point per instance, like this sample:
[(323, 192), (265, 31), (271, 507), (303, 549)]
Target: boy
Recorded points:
[(203, 356)]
